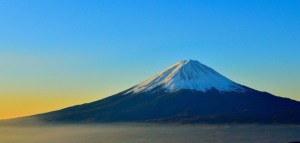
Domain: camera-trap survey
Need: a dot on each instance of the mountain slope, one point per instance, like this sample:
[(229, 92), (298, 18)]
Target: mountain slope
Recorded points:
[(188, 92)]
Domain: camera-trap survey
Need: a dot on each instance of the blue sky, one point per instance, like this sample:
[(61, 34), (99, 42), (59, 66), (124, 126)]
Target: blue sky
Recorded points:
[(64, 49)]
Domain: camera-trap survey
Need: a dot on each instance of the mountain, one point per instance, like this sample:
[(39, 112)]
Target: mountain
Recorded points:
[(187, 92)]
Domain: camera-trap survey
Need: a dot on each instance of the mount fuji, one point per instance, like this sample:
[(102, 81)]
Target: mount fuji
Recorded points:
[(187, 92)]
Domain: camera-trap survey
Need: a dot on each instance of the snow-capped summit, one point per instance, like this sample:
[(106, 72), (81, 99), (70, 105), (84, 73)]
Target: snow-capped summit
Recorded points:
[(188, 74)]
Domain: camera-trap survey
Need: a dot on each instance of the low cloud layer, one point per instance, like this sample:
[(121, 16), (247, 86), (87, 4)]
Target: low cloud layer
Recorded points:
[(149, 133)]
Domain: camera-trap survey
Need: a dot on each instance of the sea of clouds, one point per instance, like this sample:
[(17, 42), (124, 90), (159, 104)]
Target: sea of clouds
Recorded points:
[(149, 133)]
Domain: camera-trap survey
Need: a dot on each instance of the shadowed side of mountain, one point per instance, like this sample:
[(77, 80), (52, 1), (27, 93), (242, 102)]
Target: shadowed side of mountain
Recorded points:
[(184, 106)]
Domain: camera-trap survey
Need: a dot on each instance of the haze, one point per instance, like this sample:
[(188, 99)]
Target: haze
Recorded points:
[(150, 133)]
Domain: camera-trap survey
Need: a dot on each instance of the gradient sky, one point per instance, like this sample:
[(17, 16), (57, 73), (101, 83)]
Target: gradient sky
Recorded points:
[(57, 53)]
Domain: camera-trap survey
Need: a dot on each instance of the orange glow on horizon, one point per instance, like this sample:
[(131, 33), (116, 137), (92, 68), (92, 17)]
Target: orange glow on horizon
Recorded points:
[(29, 105)]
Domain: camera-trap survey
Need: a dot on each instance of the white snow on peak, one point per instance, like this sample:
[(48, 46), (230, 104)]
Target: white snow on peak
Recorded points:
[(188, 74)]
